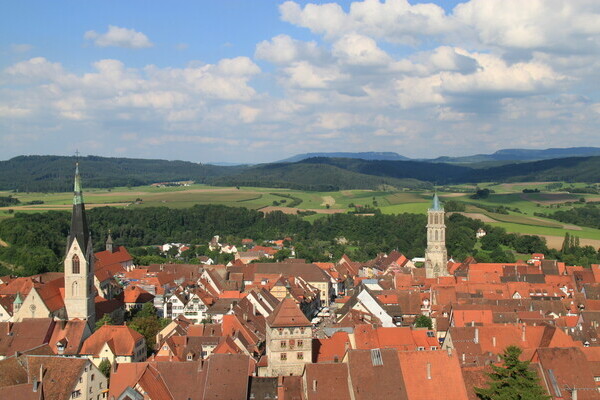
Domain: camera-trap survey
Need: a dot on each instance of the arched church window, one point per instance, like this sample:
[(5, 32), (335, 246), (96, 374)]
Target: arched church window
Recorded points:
[(75, 264), (436, 235)]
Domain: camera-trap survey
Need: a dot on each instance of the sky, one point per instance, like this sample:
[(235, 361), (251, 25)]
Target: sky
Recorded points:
[(249, 81)]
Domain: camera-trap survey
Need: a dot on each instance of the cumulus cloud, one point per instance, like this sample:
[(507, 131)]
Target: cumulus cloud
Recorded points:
[(119, 37), (355, 49), (548, 25), (282, 49), (393, 20)]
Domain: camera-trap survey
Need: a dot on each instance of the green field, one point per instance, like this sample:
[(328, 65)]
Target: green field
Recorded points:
[(520, 217)]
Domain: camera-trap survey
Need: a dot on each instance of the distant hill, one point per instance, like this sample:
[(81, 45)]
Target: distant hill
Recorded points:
[(369, 155), (322, 173), (55, 173), (316, 176), (522, 155)]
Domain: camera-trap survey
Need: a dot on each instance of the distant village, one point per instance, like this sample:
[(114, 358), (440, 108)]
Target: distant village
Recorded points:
[(389, 328)]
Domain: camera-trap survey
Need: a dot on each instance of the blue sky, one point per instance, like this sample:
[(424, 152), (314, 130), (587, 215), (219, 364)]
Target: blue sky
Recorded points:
[(257, 81)]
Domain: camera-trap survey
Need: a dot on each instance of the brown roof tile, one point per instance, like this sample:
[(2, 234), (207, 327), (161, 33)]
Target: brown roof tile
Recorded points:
[(286, 314)]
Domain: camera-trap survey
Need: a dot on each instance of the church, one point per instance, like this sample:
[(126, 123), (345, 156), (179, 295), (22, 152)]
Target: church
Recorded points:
[(72, 295)]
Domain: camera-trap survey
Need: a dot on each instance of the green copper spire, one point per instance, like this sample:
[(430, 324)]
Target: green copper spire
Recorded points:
[(18, 299), (79, 227), (436, 206), (78, 195)]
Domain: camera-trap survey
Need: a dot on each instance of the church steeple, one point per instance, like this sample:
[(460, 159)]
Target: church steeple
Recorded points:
[(79, 226), (109, 242), (79, 262), (436, 255), (435, 205)]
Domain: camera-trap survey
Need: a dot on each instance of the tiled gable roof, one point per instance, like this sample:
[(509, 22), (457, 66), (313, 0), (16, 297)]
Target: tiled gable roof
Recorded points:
[(123, 340), (287, 314)]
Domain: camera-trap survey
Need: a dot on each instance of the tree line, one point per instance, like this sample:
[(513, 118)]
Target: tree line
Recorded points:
[(38, 241)]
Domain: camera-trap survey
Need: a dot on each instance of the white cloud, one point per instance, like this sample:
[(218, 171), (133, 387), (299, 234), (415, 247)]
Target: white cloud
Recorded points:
[(548, 25), (119, 37), (282, 49), (396, 21), (355, 49), (35, 69)]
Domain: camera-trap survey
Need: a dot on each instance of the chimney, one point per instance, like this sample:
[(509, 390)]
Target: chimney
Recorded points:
[(574, 394), (464, 358), (523, 334), (476, 338), (114, 367), (428, 370), (41, 373), (494, 341), (449, 350)]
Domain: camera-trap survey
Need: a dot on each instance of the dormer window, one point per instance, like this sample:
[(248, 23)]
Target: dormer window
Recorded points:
[(75, 264)]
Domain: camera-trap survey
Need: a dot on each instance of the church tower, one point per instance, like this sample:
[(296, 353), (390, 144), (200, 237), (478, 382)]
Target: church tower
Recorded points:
[(79, 263), (436, 255)]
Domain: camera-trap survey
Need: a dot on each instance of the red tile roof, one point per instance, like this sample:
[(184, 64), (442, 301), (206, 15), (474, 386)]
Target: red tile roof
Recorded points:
[(432, 375), (121, 338), (331, 349), (287, 314), (135, 294)]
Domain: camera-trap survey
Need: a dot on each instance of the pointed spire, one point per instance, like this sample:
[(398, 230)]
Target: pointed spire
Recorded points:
[(78, 195), (109, 242), (436, 206), (79, 227), (18, 299)]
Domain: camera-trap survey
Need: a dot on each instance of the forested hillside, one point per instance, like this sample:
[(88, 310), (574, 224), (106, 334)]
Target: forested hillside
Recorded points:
[(309, 175), (55, 173)]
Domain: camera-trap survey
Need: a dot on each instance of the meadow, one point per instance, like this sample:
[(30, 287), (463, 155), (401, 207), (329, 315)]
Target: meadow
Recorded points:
[(519, 218)]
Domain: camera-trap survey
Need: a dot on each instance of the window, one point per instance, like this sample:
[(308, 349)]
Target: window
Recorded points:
[(300, 343), (300, 356), (92, 378), (283, 344), (75, 394), (283, 356), (420, 348), (75, 264)]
